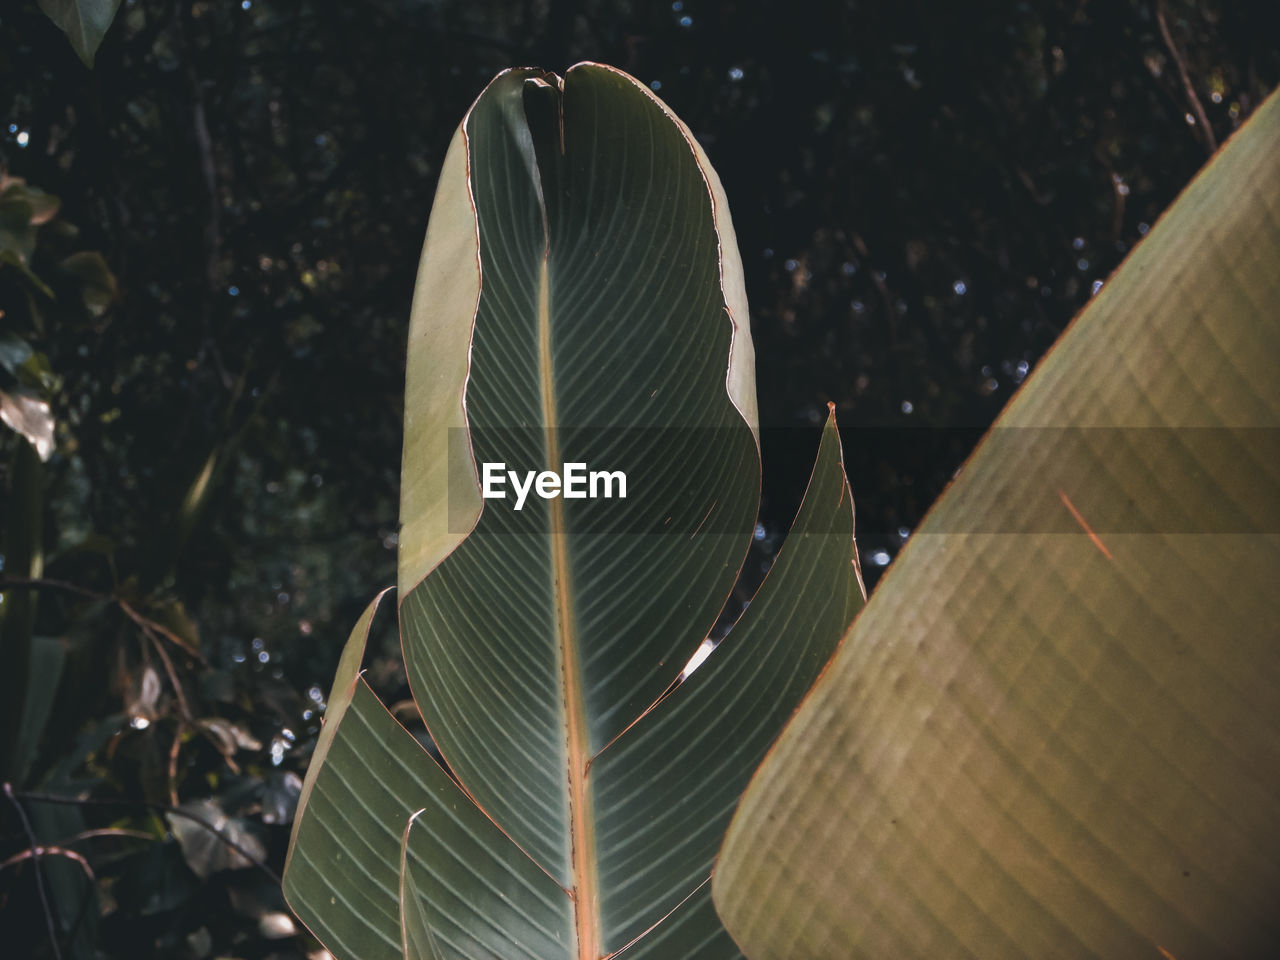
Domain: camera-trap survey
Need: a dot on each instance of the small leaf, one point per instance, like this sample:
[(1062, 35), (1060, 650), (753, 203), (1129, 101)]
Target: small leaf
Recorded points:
[(29, 416), (44, 206), (36, 373), (207, 853), (275, 925), (14, 259), (85, 22), (14, 351), (141, 707), (17, 232), (97, 283), (280, 797), (229, 737)]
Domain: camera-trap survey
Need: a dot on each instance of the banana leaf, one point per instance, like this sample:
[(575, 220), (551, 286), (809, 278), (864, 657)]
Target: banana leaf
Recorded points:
[(579, 301), (1054, 730)]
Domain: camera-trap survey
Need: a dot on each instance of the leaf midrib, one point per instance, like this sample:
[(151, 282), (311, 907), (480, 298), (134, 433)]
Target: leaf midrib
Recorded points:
[(581, 834)]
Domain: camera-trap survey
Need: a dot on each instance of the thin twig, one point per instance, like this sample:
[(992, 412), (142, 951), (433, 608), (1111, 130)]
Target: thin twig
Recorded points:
[(106, 832), (183, 707), (49, 851), (159, 628), (62, 849), (1211, 142), (44, 583), (174, 749), (35, 865), (156, 807), (153, 631)]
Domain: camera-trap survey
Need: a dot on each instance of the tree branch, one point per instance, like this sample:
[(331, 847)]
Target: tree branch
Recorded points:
[(1210, 141), (35, 847), (155, 807)]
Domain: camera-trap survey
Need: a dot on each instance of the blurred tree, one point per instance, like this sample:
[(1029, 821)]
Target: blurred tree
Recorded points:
[(924, 194)]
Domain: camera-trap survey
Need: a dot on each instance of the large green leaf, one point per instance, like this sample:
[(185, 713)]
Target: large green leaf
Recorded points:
[(379, 820), (85, 22), (600, 337), (1055, 730), (579, 300)]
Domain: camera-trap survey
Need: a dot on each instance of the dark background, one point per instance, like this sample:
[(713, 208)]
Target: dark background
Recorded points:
[(924, 194)]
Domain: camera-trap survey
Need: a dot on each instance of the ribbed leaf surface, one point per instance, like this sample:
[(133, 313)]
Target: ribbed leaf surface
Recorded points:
[(663, 792), (369, 782), (1054, 731), (357, 798), (581, 245), (600, 337)]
